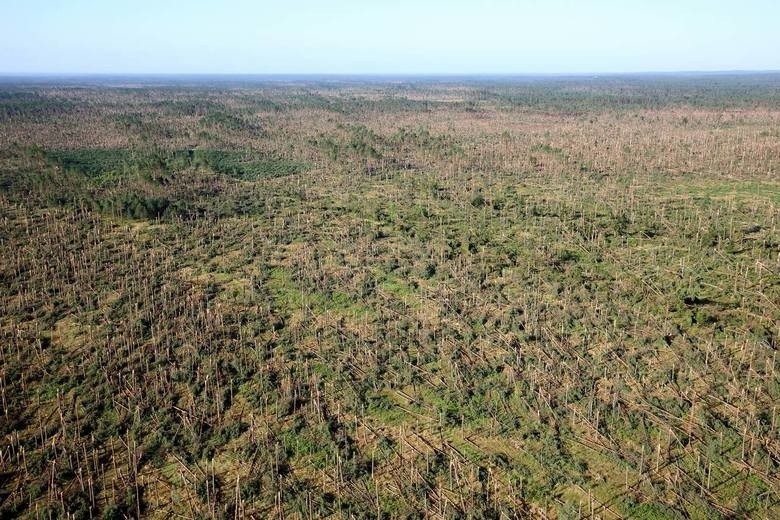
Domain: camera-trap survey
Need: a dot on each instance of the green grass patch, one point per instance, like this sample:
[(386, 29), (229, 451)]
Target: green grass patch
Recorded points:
[(744, 190)]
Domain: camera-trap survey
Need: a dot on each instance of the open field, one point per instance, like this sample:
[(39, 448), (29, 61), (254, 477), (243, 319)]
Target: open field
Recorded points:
[(388, 297)]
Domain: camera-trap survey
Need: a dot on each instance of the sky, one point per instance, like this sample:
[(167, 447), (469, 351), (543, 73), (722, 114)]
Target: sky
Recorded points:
[(387, 37)]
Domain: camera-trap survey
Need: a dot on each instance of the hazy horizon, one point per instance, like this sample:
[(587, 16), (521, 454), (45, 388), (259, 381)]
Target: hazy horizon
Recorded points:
[(86, 37), (453, 74)]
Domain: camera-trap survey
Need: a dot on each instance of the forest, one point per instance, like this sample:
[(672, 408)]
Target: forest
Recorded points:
[(389, 297)]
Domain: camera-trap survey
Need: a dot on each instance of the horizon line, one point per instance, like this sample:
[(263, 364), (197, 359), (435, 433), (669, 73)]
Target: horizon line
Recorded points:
[(34, 74)]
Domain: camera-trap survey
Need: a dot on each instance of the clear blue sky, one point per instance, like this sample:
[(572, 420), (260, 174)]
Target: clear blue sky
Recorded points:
[(383, 36)]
